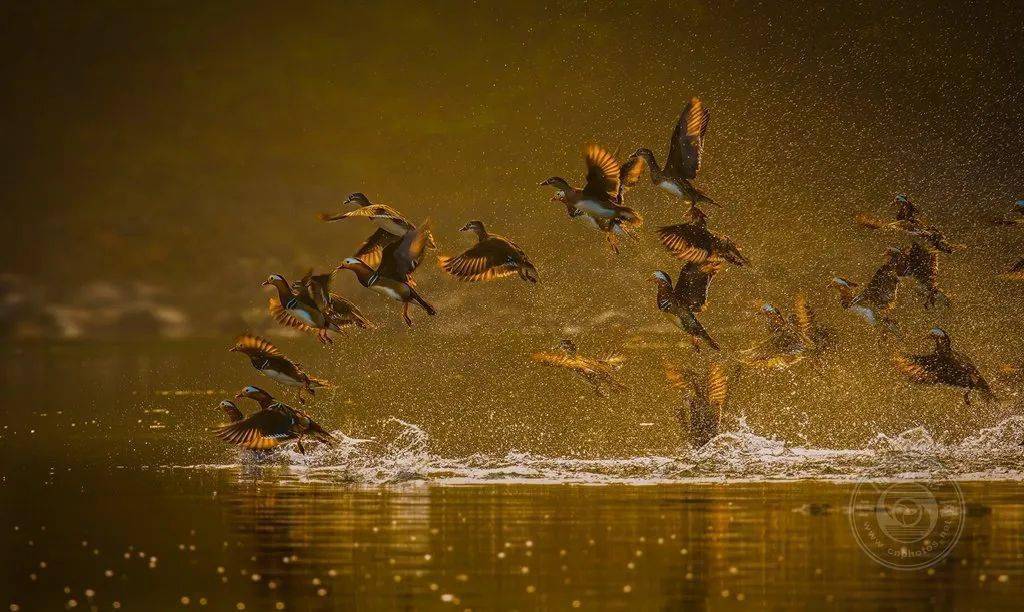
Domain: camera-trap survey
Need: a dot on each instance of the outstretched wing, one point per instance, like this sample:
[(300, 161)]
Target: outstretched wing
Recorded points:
[(264, 429), (485, 260), (687, 144), (401, 258), (686, 241), (918, 368), (693, 284), (870, 222), (1016, 271), (803, 320), (370, 251), (718, 387), (282, 316), (602, 173), (373, 211), (249, 343), (630, 173)]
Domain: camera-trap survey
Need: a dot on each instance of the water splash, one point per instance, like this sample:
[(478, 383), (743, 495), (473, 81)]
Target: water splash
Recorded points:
[(402, 454)]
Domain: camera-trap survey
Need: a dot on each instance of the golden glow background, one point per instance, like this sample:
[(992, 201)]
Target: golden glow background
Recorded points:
[(189, 146)]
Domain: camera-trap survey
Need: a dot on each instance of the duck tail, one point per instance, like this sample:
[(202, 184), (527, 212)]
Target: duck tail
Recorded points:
[(424, 304)]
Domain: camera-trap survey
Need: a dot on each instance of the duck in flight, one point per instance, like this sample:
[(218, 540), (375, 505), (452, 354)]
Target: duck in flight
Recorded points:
[(681, 302), (909, 221), (492, 256), (299, 310), (791, 339), (921, 264), (393, 277), (391, 226), (693, 241), (339, 310), (269, 361), (1014, 217), (598, 372), (600, 201), (704, 401), (944, 366), (876, 299), (273, 424), (684, 155)]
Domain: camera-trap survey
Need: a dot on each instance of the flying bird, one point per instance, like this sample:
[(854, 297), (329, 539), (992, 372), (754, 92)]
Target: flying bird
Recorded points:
[(339, 310), (600, 199), (391, 226), (876, 299), (393, 277), (705, 400), (273, 424), (909, 221), (492, 256), (269, 361), (921, 264), (684, 155), (790, 339), (944, 366), (693, 241), (299, 310), (598, 372), (681, 302)]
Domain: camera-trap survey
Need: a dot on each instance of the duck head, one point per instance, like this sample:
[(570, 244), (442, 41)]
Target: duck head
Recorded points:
[(902, 199), (476, 227), (661, 278), (231, 410), (566, 345), (561, 186), (941, 338), (275, 280), (357, 199), (1019, 205), (254, 393), (351, 263)]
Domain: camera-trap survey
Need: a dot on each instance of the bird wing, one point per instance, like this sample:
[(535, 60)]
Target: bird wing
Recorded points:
[(918, 368), (923, 265), (345, 312), (882, 288), (718, 387), (687, 144), (279, 314), (630, 173), (870, 222), (803, 320), (263, 429), (696, 295), (686, 241), (578, 363), (251, 344), (371, 249), (602, 173), (1016, 271), (401, 258), (488, 259), (373, 211)]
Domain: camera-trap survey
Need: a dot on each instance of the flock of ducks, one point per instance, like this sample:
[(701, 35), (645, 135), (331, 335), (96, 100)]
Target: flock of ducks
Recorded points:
[(387, 260)]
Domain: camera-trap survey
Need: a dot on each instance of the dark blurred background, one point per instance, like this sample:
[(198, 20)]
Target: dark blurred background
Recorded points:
[(187, 146), (162, 158)]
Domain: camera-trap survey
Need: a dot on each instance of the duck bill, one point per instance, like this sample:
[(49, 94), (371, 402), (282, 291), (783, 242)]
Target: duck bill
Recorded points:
[(264, 283)]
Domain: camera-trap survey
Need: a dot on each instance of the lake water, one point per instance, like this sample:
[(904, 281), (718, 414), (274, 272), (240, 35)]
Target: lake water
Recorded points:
[(114, 491)]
